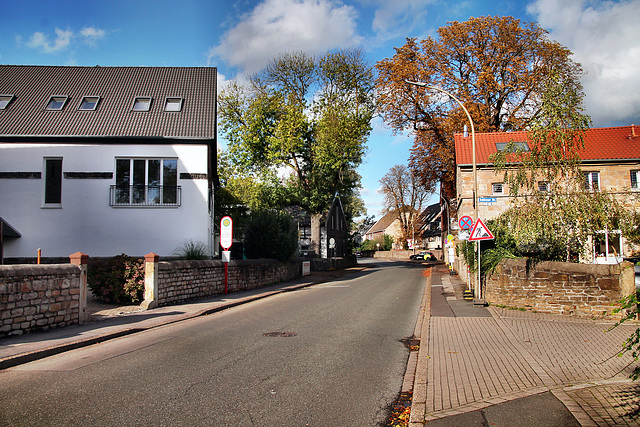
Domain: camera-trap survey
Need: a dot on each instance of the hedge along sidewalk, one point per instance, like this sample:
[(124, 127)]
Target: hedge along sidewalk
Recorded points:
[(16, 350)]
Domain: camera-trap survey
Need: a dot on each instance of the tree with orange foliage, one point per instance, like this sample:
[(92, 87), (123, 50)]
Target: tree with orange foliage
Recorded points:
[(497, 66)]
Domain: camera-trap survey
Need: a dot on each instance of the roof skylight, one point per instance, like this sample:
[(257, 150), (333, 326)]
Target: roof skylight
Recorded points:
[(5, 100), (57, 102), (141, 104), (173, 104), (512, 146), (89, 103)]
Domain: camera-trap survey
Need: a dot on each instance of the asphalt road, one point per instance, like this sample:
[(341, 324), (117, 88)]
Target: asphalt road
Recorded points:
[(328, 355)]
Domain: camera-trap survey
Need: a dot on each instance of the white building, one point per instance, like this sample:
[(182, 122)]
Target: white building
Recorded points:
[(106, 160)]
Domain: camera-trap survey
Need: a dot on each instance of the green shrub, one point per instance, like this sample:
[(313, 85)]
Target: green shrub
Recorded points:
[(192, 250), (119, 279), (386, 243), (270, 234)]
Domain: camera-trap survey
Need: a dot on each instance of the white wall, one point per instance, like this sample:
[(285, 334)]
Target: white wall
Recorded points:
[(85, 222)]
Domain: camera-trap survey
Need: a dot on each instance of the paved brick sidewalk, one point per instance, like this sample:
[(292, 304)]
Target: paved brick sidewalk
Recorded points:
[(469, 363)]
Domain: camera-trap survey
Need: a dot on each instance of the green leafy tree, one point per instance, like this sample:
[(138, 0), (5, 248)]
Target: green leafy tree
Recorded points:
[(242, 190), (629, 309), (386, 243), (561, 222), (556, 136), (310, 117), (270, 234)]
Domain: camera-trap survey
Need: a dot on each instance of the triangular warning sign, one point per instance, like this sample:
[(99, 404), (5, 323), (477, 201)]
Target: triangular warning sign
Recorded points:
[(480, 232)]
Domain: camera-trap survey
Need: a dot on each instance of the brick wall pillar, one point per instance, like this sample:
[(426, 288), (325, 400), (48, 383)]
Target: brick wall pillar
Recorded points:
[(81, 260), (150, 281)]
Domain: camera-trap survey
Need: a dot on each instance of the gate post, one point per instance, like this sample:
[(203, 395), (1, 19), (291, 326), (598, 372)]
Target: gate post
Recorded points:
[(81, 260), (150, 281)]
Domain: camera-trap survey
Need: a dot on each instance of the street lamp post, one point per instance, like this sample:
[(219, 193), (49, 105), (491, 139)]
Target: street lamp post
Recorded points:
[(477, 291)]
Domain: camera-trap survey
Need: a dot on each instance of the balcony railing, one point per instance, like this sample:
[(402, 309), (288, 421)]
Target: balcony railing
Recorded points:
[(145, 196)]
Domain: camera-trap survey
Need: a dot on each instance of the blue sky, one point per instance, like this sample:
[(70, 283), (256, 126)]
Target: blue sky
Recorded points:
[(240, 37)]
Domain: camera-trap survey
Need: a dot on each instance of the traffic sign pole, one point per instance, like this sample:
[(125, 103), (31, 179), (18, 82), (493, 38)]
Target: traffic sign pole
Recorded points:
[(226, 240), (479, 233)]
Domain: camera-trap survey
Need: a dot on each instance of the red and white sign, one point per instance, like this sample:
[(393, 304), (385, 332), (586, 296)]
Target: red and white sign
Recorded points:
[(466, 223), (480, 232), (226, 232)]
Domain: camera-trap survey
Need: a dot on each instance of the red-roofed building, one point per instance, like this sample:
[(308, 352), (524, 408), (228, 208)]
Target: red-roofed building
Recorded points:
[(610, 161)]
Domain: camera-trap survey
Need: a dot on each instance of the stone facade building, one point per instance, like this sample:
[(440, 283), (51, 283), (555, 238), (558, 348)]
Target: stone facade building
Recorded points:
[(610, 160)]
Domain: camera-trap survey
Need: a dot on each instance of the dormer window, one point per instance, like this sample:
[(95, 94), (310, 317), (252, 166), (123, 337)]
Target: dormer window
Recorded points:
[(89, 103), (141, 104), (173, 104), (512, 146), (5, 100), (57, 102)]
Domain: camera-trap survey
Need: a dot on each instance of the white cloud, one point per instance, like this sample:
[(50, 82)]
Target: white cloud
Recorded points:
[(91, 35), (64, 39), (278, 26), (399, 17), (40, 41), (603, 35)]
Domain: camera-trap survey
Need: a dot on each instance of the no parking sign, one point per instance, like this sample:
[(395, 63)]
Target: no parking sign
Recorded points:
[(466, 222)]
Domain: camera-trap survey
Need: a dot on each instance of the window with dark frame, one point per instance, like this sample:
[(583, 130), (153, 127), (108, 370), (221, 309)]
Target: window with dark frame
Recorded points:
[(592, 181), (543, 186), (146, 182), (53, 181), (497, 188), (635, 178)]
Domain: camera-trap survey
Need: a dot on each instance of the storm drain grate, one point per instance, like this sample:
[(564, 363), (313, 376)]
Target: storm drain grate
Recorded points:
[(280, 334)]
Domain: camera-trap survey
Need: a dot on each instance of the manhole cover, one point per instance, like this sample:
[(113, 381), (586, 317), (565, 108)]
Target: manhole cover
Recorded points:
[(280, 334)]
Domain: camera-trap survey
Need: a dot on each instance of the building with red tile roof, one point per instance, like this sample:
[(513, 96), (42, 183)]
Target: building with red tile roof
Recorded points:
[(610, 160)]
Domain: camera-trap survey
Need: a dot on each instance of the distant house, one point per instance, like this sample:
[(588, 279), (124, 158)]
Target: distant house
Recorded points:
[(610, 161), (388, 225), (431, 227), (106, 160)]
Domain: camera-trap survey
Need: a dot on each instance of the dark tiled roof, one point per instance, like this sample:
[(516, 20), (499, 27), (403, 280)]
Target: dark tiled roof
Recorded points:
[(431, 212), (611, 143), (117, 87)]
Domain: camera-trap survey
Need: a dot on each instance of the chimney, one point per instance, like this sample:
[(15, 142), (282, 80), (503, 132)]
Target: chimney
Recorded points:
[(633, 131), (465, 132)]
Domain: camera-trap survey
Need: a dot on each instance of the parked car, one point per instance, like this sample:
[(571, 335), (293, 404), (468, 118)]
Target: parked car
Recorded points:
[(423, 255)]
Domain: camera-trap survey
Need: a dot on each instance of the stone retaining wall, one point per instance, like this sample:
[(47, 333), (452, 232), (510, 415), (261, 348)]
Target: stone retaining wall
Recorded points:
[(587, 290), (38, 297), (184, 280)]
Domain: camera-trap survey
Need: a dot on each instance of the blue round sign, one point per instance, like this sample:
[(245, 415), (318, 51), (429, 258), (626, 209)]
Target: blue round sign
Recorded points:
[(466, 222)]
